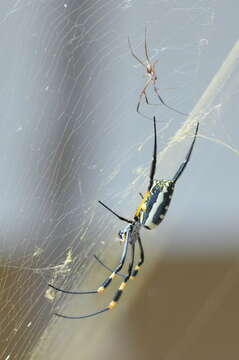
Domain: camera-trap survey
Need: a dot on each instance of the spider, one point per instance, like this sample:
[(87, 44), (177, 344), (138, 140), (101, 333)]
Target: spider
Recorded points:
[(149, 214), (151, 73)]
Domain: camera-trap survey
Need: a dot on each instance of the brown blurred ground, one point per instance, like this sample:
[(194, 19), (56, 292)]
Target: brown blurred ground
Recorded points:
[(177, 309), (185, 310)]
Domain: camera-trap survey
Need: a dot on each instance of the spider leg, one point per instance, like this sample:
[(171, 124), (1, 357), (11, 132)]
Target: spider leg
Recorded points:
[(107, 267), (118, 216), (140, 263), (145, 46), (146, 98), (105, 283), (136, 269), (154, 160), (116, 297), (165, 104), (143, 92), (133, 54), (151, 174), (185, 162)]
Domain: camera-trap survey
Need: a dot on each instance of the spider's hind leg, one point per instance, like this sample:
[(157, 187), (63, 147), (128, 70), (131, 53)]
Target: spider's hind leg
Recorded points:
[(105, 283), (141, 261), (107, 267), (116, 297)]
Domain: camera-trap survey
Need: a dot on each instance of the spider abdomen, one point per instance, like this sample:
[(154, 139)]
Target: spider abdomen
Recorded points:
[(156, 204)]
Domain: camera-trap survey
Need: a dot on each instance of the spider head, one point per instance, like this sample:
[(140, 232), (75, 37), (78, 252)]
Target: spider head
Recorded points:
[(123, 234)]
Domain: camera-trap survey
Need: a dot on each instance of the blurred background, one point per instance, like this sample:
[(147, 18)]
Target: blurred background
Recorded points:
[(70, 135)]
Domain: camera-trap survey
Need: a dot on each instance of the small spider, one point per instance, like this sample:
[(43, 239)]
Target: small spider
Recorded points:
[(151, 73), (150, 213)]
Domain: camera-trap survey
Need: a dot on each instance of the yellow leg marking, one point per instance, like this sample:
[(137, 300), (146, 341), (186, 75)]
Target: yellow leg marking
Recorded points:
[(137, 267), (112, 275), (122, 286), (101, 290), (124, 238), (112, 304), (142, 205)]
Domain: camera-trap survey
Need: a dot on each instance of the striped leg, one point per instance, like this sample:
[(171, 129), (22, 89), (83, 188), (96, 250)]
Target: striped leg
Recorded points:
[(120, 290), (137, 267), (106, 283), (116, 297), (107, 267)]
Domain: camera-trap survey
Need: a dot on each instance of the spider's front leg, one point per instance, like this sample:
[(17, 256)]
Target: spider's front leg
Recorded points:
[(117, 215)]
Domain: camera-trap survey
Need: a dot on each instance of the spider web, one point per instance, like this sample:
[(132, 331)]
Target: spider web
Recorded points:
[(71, 135)]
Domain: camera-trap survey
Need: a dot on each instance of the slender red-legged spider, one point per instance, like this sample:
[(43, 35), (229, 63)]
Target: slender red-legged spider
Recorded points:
[(151, 73)]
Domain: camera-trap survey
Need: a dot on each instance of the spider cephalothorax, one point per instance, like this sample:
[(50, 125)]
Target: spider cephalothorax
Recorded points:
[(131, 231)]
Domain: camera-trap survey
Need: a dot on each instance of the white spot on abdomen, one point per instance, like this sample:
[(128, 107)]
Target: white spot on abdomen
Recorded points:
[(158, 202)]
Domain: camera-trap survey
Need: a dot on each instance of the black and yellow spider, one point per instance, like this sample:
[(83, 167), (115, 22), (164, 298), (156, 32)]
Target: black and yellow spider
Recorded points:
[(149, 214)]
